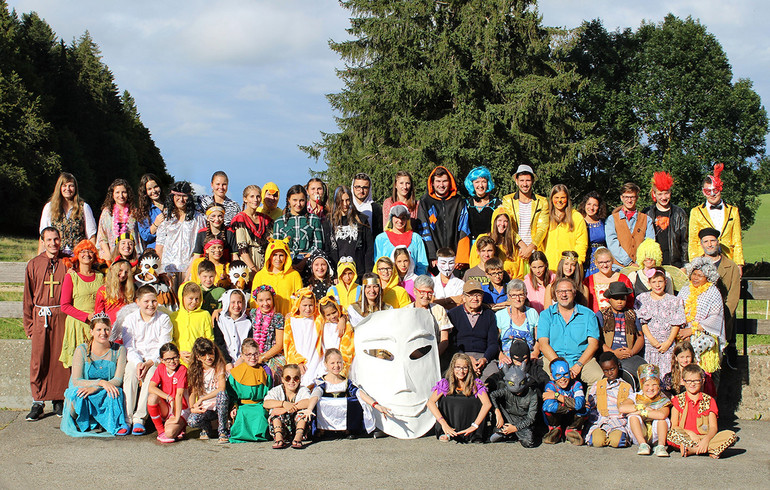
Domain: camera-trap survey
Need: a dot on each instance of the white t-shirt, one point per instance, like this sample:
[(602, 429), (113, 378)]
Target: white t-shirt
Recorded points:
[(454, 287), (525, 222), (278, 393)]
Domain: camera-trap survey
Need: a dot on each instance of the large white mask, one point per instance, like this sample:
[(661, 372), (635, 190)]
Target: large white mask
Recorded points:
[(397, 364), (445, 265)]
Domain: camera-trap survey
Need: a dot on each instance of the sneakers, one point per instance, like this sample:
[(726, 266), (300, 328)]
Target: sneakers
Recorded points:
[(163, 439), (36, 412), (660, 451), (496, 437), (573, 437), (58, 407), (553, 436), (644, 449)]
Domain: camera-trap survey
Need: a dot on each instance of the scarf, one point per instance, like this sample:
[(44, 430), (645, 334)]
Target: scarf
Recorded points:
[(261, 323)]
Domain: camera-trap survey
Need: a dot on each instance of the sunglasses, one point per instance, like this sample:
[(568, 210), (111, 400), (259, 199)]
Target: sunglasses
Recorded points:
[(291, 378)]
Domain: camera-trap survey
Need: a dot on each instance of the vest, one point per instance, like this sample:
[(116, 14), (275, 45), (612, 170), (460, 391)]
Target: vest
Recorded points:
[(601, 395), (608, 330), (628, 239), (702, 421)]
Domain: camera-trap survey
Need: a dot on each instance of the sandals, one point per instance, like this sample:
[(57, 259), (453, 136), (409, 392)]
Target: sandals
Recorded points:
[(139, 429), (280, 444), (123, 431), (295, 444)]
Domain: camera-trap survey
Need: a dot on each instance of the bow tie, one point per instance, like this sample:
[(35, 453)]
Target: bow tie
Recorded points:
[(716, 206)]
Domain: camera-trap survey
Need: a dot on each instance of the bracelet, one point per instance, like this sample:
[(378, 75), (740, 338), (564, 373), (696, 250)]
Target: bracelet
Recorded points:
[(579, 364), (374, 405), (643, 413), (475, 425), (439, 419)]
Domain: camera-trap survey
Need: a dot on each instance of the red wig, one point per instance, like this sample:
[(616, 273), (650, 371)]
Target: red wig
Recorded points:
[(661, 181), (715, 180), (83, 245)]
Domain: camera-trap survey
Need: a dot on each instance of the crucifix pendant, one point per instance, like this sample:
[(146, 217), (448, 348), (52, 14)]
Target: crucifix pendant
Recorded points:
[(51, 283)]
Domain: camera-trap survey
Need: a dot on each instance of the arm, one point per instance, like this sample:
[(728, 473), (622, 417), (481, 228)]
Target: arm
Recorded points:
[(219, 341), (638, 343), (486, 405), (364, 397), (78, 363), (433, 407), (581, 236), (493, 339), (649, 232), (546, 349), (318, 234), (612, 242), (593, 346), (542, 223), (650, 337), (28, 306), (703, 444), (737, 241), (276, 349), (66, 300), (289, 349), (221, 383), (694, 247), (103, 234), (420, 257)]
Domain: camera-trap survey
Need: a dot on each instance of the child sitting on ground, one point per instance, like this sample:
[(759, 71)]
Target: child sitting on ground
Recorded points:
[(672, 383), (694, 427), (211, 293), (167, 402), (564, 405), (647, 412), (608, 423), (247, 387), (495, 294), (206, 382), (447, 287), (515, 404), (336, 400), (285, 403), (190, 321)]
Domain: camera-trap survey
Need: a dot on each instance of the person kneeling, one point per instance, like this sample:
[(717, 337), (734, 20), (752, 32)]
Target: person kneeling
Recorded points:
[(564, 405), (247, 386)]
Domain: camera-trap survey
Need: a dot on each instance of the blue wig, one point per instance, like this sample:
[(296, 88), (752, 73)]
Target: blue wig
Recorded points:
[(478, 172)]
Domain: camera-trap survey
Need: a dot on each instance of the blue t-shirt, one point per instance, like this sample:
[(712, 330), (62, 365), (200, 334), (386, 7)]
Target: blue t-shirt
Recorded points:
[(568, 339), (491, 296), (510, 331)]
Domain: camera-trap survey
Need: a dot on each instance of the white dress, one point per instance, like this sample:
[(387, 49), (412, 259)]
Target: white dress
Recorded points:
[(306, 344), (178, 240), (332, 413)]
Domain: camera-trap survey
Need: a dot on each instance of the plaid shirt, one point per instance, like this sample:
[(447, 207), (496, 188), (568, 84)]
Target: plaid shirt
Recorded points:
[(304, 232)]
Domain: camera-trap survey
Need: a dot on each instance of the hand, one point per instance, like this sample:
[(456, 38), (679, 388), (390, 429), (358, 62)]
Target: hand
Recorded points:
[(302, 369), (509, 429), (575, 371), (215, 315), (448, 430), (550, 395), (499, 422), (526, 251), (234, 412), (229, 367), (90, 317), (291, 408), (341, 324), (186, 356), (702, 447), (197, 408), (305, 414), (623, 353), (158, 220), (112, 390), (470, 430), (505, 359), (383, 410), (172, 419), (86, 390), (433, 263), (664, 347)]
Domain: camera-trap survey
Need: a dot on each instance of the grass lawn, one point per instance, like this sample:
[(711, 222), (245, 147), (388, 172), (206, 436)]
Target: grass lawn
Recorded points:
[(16, 249), (11, 291), (751, 340), (11, 328), (756, 238)]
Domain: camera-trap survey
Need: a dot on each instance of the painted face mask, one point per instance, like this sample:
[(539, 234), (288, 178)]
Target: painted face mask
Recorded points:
[(445, 265), (147, 272), (397, 364), (239, 275)]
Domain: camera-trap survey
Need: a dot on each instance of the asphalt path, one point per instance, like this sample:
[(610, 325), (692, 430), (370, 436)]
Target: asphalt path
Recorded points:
[(38, 454)]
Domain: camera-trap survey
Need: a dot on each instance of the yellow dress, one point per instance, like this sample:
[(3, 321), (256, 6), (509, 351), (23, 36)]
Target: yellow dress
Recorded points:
[(84, 299)]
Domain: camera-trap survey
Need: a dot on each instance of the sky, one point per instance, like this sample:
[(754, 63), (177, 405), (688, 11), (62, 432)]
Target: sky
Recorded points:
[(237, 85)]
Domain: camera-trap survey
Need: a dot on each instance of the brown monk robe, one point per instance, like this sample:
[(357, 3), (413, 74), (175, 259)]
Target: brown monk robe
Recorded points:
[(44, 324)]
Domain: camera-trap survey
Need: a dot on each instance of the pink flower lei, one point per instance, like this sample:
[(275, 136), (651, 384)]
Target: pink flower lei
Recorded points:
[(119, 219), (261, 323)]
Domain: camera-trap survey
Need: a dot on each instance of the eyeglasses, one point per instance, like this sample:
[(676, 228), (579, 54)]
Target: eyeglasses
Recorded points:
[(691, 381), (424, 292), (175, 358), (630, 198), (291, 378), (604, 262), (474, 294), (517, 295), (562, 292), (361, 187), (252, 354), (384, 269), (496, 273)]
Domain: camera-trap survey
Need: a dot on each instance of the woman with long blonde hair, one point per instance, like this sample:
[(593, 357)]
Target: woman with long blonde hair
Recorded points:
[(69, 214), (117, 291), (567, 228)]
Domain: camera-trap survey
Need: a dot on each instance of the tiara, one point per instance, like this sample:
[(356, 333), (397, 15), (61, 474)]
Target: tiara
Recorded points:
[(101, 316)]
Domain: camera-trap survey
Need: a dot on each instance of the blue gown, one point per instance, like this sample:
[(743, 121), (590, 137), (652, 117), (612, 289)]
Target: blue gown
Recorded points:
[(596, 240), (97, 409)]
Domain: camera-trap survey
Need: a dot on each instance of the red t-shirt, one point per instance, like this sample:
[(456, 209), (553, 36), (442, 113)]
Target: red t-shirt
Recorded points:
[(690, 422), (169, 384)]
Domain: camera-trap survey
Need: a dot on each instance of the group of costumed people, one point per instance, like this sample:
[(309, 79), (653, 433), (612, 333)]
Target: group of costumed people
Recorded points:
[(477, 318)]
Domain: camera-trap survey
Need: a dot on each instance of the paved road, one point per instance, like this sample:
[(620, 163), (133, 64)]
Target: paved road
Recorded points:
[(39, 454)]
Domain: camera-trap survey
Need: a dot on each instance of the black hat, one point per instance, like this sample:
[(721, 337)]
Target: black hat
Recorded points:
[(708, 232), (519, 350), (618, 290)]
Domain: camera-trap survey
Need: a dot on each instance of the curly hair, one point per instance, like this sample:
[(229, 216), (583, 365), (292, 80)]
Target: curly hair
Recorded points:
[(144, 203), (109, 200), (601, 213), (649, 249), (705, 265), (196, 373), (185, 188)]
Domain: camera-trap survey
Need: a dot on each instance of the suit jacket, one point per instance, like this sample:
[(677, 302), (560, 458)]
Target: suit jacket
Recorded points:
[(730, 234), (729, 284)]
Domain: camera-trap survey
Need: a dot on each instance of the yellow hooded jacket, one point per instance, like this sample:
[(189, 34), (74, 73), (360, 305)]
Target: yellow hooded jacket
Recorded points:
[(393, 294), (273, 189), (539, 218), (346, 342), (189, 325), (515, 268), (345, 296), (289, 347), (285, 282)]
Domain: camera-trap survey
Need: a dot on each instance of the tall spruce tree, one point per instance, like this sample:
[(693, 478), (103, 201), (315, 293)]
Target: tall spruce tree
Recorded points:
[(453, 83)]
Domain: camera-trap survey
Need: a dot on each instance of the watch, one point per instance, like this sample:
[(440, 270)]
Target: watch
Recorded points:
[(579, 364)]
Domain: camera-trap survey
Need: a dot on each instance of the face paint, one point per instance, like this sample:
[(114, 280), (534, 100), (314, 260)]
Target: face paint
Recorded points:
[(396, 363), (445, 265)]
